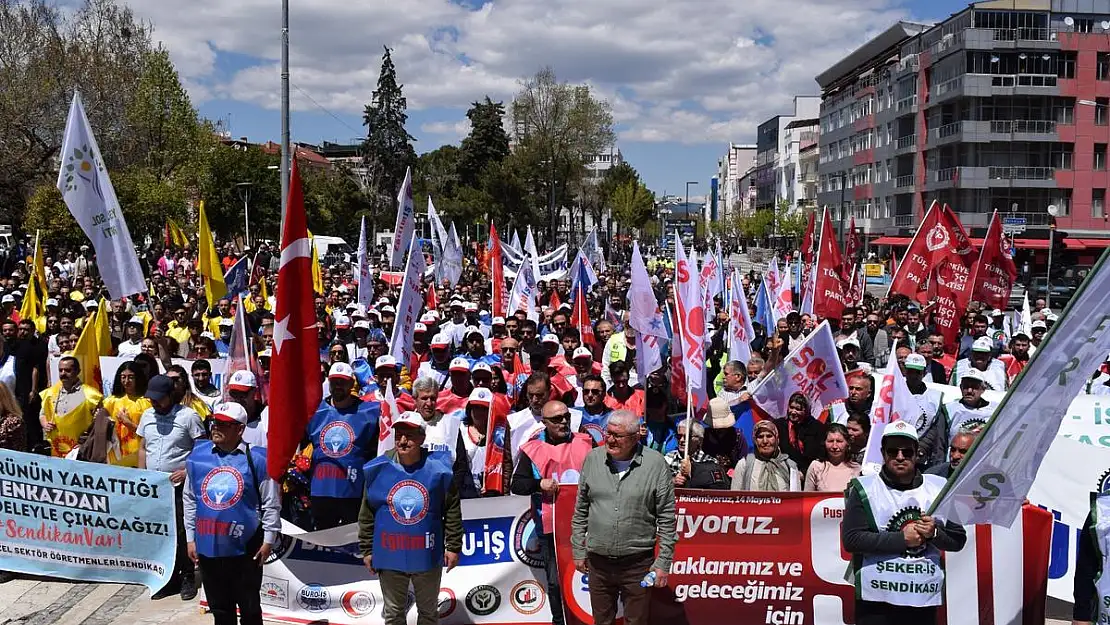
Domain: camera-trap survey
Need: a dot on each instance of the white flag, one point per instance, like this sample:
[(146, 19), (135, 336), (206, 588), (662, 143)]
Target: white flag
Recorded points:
[(774, 278), (893, 402), (1026, 326), (451, 259), (812, 369), (90, 197), (740, 327), (710, 281), (993, 480), (523, 295), (530, 250), (406, 221), (691, 312), (592, 248), (514, 243), (365, 277), (645, 316), (408, 305), (439, 233), (784, 299), (385, 424)]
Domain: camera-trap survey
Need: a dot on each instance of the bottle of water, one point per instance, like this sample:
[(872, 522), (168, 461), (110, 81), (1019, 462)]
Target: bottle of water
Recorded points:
[(648, 581)]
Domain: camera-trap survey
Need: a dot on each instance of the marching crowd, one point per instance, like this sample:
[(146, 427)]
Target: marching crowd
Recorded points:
[(486, 406)]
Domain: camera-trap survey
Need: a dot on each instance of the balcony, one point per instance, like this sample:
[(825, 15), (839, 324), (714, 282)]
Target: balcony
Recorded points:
[(905, 221), (945, 175), (906, 105), (907, 141), (1021, 173), (1023, 126), (903, 184)]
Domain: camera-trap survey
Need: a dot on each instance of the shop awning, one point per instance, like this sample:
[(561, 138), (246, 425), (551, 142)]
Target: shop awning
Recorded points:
[(1095, 243), (1025, 244)]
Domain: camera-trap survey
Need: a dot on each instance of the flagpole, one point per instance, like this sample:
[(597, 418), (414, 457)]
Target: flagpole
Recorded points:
[(284, 110)]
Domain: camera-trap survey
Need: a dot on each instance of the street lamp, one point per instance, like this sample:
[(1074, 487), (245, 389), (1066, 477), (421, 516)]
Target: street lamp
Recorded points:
[(1052, 212), (244, 189), (687, 206)]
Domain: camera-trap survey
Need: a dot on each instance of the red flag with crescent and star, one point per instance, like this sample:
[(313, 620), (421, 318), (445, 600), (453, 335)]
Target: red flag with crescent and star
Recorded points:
[(295, 388)]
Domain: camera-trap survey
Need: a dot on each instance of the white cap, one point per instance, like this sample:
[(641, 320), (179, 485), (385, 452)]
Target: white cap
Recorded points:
[(456, 302), (983, 344), (374, 312), (973, 374), (472, 330), (483, 313), (419, 327), (389, 309), (582, 352), (51, 302), (459, 364), (481, 366), (7, 299), (208, 335), (410, 418), (385, 360), (900, 428), (341, 370), (915, 361), (481, 396), (362, 324), (1038, 324), (434, 313), (242, 380), (550, 338), (845, 342), (342, 321), (136, 320), (1046, 311), (1051, 317), (230, 411), (427, 318), (440, 340), (498, 321), (227, 322), (342, 288), (351, 306), (470, 307), (90, 304), (997, 313)]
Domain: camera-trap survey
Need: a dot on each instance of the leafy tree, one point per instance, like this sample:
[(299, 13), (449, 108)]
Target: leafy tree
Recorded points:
[(792, 222), (487, 142), (757, 225), (226, 168), (633, 205), (333, 201), (165, 136), (388, 148), (437, 175)]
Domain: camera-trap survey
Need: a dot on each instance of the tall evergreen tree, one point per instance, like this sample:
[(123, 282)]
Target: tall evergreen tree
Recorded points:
[(388, 148), (487, 142)]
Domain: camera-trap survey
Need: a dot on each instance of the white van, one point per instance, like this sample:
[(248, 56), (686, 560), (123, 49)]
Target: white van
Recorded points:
[(332, 250)]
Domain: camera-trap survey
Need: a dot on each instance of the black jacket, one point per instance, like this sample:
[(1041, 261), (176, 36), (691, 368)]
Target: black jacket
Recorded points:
[(811, 436)]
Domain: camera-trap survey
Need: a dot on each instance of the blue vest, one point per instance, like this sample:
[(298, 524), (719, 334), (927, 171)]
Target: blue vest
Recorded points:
[(226, 492), (342, 441), (594, 424), (408, 513)]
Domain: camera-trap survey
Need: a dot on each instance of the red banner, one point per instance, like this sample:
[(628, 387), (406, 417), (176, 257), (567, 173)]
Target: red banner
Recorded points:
[(852, 246), (952, 274), (498, 297), (828, 298), (911, 277), (776, 558), (995, 273)]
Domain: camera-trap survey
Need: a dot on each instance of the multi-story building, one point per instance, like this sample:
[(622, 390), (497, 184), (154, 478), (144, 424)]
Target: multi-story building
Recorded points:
[(800, 138), (772, 151), (730, 169), (1001, 106)]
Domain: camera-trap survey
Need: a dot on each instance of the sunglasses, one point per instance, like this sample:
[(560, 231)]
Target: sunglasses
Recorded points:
[(559, 418), (906, 452), (592, 391)]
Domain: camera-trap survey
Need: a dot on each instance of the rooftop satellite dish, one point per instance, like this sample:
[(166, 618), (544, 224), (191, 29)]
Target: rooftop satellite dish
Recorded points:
[(1105, 25), (1069, 21), (1052, 210)]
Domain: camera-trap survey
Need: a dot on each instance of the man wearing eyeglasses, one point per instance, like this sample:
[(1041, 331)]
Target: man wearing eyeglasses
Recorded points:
[(554, 457), (896, 548), (625, 505), (595, 413)]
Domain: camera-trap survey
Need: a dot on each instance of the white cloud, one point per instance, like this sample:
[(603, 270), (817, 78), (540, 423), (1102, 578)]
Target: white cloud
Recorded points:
[(446, 130), (691, 72)]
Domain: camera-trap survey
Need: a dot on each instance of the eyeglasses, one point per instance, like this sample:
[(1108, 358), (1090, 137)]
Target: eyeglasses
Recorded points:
[(906, 452), (559, 418), (592, 391), (618, 435), (538, 395)]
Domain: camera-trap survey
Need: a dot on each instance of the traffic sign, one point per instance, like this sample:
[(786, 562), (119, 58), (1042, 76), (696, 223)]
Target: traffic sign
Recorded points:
[(1013, 225)]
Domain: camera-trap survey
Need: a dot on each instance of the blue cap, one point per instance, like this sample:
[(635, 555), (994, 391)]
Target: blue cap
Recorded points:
[(158, 387)]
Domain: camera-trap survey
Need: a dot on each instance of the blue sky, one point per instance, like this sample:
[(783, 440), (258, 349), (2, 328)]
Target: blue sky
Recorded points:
[(683, 79)]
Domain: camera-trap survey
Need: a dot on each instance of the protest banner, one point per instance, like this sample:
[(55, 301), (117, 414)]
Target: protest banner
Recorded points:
[(86, 521), (318, 577), (776, 558)]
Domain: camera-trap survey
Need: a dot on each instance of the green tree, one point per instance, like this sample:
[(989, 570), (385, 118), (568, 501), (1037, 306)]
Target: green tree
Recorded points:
[(388, 148), (333, 201), (487, 142), (437, 175), (793, 221), (229, 172), (757, 225), (633, 205), (165, 136)]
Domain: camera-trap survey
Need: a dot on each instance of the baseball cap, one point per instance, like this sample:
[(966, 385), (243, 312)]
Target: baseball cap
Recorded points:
[(900, 428), (225, 322), (997, 313), (242, 380), (582, 352), (982, 344), (1039, 324), (362, 324), (230, 412), (387, 309), (973, 374), (1051, 317), (440, 340), (7, 299), (915, 361), (481, 366), (342, 321), (341, 370), (550, 338), (848, 341), (498, 321), (385, 360), (419, 328), (481, 397), (472, 330), (351, 306), (51, 302), (459, 364), (410, 419), (158, 387), (427, 318), (470, 307), (456, 303), (90, 304)]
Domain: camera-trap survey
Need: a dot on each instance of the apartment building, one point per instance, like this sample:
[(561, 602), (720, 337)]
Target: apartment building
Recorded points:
[(774, 152), (731, 169)]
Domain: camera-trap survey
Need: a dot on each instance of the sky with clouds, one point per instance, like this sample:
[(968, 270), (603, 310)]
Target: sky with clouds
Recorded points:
[(683, 77)]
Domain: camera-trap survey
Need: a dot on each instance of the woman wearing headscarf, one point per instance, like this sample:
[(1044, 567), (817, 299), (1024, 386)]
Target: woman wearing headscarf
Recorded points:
[(767, 468), (802, 436)]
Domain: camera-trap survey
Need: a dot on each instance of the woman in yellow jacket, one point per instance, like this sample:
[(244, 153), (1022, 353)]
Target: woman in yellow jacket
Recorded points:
[(125, 405)]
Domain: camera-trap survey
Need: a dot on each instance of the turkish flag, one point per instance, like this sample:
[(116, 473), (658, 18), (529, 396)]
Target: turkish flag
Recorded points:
[(295, 387), (580, 317), (431, 300), (830, 291), (498, 297)]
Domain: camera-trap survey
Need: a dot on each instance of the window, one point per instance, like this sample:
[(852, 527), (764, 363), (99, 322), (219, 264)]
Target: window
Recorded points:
[(1098, 203), (1061, 155), (1084, 25), (1101, 111), (1064, 111), (1100, 157), (1102, 66), (1065, 66)]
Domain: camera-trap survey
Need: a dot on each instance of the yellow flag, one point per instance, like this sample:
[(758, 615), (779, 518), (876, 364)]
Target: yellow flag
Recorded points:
[(263, 291), (317, 275), (208, 263), (95, 341), (40, 268), (32, 307), (177, 235)]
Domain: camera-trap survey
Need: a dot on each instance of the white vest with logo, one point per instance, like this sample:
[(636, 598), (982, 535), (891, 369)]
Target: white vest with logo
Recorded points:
[(444, 435), (1101, 509), (959, 414), (911, 579)]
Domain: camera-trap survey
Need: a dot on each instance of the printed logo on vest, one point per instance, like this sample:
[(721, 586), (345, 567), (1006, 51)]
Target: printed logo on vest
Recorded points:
[(527, 597), (973, 424), (483, 600), (314, 598), (447, 602), (222, 488), (357, 603), (274, 592), (408, 502), (899, 521), (337, 439), (1103, 483), (594, 430), (526, 540)]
